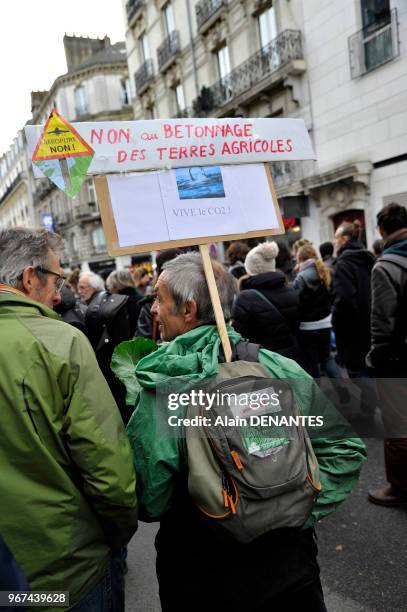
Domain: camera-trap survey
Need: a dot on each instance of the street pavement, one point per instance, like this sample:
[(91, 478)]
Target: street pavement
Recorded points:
[(362, 552)]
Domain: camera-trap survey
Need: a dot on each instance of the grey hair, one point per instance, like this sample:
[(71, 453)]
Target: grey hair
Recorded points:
[(94, 280), (185, 279), (21, 247), (119, 279)]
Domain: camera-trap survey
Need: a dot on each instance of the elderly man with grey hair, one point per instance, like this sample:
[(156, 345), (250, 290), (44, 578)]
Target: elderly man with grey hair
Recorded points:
[(278, 569), (67, 484), (89, 286)]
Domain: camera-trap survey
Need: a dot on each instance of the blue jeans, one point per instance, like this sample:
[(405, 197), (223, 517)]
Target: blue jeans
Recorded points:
[(316, 348), (108, 594)]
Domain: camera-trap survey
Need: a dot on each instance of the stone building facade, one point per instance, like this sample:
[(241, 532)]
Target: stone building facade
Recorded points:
[(95, 88), (341, 66), (16, 186)]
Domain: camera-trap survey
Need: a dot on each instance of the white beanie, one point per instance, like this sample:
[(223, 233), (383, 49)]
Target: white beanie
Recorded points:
[(262, 258)]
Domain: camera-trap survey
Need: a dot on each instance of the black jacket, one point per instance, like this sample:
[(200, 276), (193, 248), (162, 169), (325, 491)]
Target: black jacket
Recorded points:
[(133, 306), (107, 324), (352, 301), (71, 309), (145, 323), (315, 300), (388, 353), (257, 320)]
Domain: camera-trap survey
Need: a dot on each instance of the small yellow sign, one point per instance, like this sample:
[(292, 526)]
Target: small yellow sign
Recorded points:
[(59, 140)]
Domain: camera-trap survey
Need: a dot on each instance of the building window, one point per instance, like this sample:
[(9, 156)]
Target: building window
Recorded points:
[(74, 243), (179, 98), (126, 93), (98, 240), (81, 105), (169, 22), (376, 16), (267, 26), (144, 48), (91, 192), (223, 61)]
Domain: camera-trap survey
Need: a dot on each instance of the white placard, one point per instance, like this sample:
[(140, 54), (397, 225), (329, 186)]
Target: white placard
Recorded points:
[(137, 208), (197, 199), (125, 146), (203, 201)]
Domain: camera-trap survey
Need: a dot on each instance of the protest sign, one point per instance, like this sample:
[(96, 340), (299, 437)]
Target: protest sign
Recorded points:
[(62, 155), (195, 193), (183, 207), (156, 210), (125, 146)]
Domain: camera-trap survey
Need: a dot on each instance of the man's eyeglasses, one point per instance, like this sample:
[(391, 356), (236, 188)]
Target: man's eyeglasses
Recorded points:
[(60, 281)]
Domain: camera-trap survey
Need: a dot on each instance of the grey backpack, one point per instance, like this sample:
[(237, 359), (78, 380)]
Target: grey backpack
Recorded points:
[(247, 476)]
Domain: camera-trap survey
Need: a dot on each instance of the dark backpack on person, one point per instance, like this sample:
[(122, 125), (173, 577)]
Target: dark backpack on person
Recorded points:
[(107, 320), (250, 479)]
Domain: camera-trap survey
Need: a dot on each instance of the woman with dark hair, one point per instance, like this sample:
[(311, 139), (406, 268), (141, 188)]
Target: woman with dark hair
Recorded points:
[(236, 255), (313, 283), (266, 310), (285, 261)]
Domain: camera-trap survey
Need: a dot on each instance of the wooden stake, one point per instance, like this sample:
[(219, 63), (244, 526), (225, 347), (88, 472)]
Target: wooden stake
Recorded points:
[(63, 164), (217, 308)]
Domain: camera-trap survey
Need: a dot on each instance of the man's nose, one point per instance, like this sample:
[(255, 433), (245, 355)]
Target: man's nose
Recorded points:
[(154, 308)]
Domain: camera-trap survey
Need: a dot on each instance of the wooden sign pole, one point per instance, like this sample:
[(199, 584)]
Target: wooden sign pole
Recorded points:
[(217, 307), (63, 164)]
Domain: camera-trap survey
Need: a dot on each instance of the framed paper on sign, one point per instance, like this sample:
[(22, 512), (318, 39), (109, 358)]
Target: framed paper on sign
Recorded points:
[(187, 206)]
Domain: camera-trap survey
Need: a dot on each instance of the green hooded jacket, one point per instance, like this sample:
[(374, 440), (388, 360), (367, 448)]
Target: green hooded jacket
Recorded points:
[(159, 452), (67, 482)]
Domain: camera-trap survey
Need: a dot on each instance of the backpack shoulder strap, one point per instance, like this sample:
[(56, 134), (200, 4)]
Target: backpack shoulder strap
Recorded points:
[(399, 260), (246, 351)]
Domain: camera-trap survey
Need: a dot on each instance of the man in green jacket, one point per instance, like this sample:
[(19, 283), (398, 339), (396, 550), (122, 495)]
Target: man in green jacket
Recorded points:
[(197, 567), (67, 483)]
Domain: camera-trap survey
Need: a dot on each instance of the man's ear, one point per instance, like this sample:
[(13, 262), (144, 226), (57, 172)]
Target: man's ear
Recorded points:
[(190, 311), (28, 279)]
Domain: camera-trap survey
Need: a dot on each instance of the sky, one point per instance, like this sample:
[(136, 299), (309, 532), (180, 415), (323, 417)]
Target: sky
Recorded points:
[(32, 51)]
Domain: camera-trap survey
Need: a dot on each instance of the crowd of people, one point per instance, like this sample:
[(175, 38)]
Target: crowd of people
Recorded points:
[(74, 482)]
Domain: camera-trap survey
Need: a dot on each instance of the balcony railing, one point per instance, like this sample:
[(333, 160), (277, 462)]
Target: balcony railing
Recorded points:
[(144, 75), (132, 8), (374, 46), (183, 113), (205, 9), (282, 50), (168, 50), (84, 210)]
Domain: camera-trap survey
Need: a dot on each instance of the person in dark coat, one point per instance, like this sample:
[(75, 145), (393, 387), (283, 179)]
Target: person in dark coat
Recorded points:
[(312, 282), (121, 282), (388, 353), (236, 255), (326, 250), (266, 310), (351, 309), (71, 309), (285, 262)]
